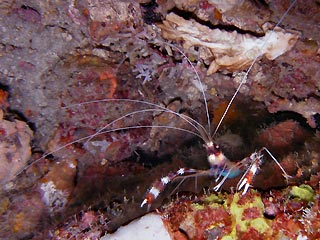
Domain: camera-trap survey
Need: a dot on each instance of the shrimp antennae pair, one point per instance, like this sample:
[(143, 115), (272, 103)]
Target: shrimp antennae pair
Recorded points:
[(202, 133), (220, 165), (217, 160)]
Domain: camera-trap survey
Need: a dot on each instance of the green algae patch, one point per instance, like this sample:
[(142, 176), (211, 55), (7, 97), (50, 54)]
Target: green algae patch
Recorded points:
[(247, 212), (197, 206), (303, 192), (228, 238), (260, 224), (214, 198)]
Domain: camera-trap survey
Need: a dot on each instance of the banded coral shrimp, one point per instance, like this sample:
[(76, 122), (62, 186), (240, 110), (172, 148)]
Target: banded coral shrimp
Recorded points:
[(220, 165), (73, 129)]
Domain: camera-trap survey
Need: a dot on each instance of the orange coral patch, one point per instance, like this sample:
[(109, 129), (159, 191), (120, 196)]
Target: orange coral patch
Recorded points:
[(110, 76)]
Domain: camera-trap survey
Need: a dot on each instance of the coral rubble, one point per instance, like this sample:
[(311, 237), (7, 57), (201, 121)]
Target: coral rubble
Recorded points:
[(227, 50), (234, 216)]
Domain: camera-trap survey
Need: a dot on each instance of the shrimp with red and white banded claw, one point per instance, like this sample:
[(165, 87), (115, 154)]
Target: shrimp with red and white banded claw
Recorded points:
[(126, 114), (220, 165)]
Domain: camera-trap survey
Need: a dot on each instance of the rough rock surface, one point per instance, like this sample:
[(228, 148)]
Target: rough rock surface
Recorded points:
[(15, 149), (63, 64)]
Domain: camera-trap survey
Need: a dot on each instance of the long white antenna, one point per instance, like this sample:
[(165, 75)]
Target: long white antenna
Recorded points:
[(250, 67), (199, 81)]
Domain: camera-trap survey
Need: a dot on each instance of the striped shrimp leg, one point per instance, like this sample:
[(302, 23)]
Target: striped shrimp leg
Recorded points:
[(247, 178), (159, 185), (255, 160)]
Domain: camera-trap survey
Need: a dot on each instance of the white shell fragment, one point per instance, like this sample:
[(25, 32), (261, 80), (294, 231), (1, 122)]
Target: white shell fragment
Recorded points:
[(148, 227), (227, 50)]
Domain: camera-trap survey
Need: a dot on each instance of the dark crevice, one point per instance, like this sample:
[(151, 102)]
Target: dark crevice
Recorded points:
[(288, 115), (4, 87), (11, 115), (102, 47), (144, 158), (229, 28), (317, 120), (149, 12), (172, 100), (184, 233), (260, 3)]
